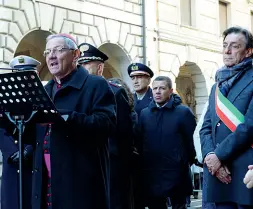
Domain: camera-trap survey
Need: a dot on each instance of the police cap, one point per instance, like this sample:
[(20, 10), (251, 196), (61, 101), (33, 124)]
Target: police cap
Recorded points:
[(90, 53), (23, 61), (139, 69)]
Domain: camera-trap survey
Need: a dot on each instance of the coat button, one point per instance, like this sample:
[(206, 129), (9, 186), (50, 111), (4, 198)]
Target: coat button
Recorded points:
[(218, 124), (37, 143), (36, 196), (16, 141), (17, 171)]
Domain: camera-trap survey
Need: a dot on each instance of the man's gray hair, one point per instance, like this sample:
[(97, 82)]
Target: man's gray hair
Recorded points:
[(70, 44), (237, 29)]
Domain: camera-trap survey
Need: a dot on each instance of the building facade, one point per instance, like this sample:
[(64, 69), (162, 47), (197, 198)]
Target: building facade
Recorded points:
[(177, 38)]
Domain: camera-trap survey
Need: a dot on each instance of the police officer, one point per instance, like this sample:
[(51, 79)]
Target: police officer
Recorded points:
[(10, 153), (141, 76), (93, 60)]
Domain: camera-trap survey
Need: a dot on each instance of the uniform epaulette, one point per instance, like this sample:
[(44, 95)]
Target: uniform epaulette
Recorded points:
[(115, 84)]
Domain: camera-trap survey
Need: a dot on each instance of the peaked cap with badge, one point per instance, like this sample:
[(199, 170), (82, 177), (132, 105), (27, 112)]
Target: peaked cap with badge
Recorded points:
[(90, 53), (139, 69), (23, 61)]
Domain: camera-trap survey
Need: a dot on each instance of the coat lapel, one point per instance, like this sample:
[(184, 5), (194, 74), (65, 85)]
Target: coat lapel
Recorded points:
[(49, 88), (240, 85), (74, 82), (149, 96)]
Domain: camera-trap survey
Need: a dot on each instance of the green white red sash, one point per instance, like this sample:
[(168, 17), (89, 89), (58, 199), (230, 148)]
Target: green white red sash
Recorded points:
[(227, 112)]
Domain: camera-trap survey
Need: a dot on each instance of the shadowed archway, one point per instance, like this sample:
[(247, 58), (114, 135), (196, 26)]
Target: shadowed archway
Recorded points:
[(33, 45), (116, 65)]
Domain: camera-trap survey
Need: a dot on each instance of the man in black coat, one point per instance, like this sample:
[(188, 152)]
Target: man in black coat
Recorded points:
[(71, 168), (227, 132), (166, 128), (121, 141)]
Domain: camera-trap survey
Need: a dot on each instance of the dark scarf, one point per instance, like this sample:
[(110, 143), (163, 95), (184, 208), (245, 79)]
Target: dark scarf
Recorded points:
[(227, 76)]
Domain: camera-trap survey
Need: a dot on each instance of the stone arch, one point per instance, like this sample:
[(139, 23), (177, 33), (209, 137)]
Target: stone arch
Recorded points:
[(188, 78), (193, 87), (116, 65), (33, 44)]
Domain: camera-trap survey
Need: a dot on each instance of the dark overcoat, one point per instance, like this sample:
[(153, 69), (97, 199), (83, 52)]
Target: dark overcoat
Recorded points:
[(121, 143), (10, 177), (233, 149), (139, 105), (79, 148), (168, 148)]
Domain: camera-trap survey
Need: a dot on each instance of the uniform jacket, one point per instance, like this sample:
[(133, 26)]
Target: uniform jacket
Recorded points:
[(10, 177), (79, 148), (139, 105), (233, 149), (168, 148)]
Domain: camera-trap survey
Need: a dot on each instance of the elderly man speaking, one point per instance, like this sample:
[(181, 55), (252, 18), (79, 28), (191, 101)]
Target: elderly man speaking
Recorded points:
[(71, 160), (227, 132)]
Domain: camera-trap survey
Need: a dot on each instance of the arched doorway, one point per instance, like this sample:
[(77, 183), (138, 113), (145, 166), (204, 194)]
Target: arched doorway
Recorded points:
[(191, 86), (116, 65), (33, 44)]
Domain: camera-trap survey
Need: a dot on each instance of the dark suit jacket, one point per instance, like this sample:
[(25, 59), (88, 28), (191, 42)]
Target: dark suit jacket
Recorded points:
[(233, 149)]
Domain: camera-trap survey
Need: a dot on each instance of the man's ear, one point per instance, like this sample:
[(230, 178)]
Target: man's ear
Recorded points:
[(171, 91), (249, 52), (100, 69)]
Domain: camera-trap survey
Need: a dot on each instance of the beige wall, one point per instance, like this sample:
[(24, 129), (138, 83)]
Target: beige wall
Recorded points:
[(170, 43), (94, 21)]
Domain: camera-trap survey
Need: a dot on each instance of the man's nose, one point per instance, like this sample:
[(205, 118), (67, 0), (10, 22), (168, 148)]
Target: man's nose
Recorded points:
[(227, 50), (51, 55)]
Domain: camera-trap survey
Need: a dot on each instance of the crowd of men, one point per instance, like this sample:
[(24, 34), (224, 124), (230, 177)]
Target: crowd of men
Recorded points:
[(119, 150)]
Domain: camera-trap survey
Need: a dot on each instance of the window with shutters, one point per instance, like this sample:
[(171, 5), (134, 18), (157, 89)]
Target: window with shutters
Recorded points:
[(186, 12), (223, 16), (251, 21)]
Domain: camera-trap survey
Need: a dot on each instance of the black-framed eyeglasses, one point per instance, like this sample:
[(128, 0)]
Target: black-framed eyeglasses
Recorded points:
[(57, 50)]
